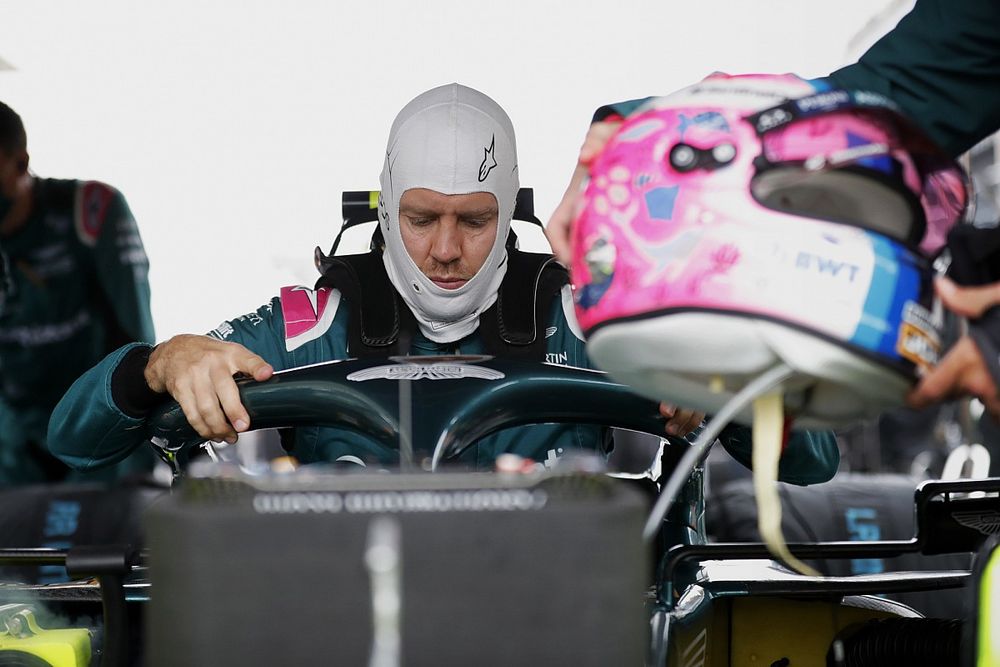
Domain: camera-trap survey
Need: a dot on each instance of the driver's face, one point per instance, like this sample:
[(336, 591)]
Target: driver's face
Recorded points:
[(448, 237)]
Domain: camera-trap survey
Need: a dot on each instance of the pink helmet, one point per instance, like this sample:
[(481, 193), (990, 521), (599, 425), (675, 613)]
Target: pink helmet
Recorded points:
[(747, 220)]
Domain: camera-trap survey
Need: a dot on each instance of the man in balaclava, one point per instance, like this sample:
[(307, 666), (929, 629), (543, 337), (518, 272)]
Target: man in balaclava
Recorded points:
[(455, 141), (73, 288), (443, 279)]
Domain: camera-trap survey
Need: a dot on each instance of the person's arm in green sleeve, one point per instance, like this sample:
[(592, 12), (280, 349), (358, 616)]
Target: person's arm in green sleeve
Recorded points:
[(88, 429), (122, 270), (101, 418), (941, 64), (809, 457)]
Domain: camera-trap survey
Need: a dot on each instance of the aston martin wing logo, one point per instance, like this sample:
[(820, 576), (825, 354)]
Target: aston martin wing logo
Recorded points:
[(489, 160), (433, 371), (987, 523)]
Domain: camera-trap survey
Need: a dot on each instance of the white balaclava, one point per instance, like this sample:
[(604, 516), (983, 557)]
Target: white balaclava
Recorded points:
[(453, 140)]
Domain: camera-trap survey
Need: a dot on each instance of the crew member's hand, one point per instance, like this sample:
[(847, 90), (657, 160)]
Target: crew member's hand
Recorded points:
[(969, 302), (681, 421), (962, 371), (560, 226), (197, 371)]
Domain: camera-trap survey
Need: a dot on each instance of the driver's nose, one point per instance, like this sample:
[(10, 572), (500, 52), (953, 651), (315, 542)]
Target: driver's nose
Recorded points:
[(447, 244)]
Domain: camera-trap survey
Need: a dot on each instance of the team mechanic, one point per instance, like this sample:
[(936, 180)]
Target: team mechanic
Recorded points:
[(75, 289), (444, 278)]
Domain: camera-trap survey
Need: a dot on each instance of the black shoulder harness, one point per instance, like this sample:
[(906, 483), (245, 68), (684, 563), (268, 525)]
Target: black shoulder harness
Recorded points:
[(382, 325)]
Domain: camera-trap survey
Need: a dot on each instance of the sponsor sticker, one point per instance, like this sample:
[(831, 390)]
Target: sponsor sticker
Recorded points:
[(452, 369), (93, 200), (918, 341), (378, 502)]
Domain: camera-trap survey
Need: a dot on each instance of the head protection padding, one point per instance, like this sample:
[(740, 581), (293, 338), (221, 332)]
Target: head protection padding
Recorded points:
[(453, 140)]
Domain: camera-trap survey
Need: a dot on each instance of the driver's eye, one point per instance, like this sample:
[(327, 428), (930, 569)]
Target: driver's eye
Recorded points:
[(476, 222)]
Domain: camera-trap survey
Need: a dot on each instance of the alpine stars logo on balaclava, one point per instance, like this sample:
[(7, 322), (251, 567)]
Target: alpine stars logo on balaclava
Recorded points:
[(453, 140), (489, 160)]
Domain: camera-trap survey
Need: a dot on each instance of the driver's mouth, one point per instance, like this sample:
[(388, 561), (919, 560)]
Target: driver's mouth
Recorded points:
[(449, 283)]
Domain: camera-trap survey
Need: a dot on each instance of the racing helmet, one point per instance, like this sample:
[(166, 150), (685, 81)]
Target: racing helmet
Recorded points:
[(748, 221)]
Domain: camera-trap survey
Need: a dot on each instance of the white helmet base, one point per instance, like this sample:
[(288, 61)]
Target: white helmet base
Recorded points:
[(700, 360)]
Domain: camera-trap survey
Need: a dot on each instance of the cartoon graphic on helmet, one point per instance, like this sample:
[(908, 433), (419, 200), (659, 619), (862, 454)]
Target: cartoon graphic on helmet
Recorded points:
[(755, 220)]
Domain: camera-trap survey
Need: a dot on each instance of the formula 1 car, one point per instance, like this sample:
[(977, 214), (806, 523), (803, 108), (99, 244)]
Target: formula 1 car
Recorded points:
[(432, 565), (428, 563)]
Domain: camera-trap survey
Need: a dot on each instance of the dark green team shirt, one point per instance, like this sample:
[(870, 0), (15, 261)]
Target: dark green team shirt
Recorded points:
[(941, 65), (88, 429), (79, 290)]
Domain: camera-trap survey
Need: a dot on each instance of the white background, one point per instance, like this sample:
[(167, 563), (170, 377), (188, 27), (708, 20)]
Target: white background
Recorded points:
[(232, 127)]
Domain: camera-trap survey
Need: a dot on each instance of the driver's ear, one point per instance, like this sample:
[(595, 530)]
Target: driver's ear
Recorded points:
[(22, 162)]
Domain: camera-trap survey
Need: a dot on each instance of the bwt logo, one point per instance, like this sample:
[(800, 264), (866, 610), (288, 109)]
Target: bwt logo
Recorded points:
[(826, 266)]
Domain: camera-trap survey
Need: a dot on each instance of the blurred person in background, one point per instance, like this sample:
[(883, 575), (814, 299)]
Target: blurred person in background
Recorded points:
[(75, 288)]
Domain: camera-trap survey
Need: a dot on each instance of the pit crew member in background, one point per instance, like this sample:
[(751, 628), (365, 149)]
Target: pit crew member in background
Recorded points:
[(76, 289)]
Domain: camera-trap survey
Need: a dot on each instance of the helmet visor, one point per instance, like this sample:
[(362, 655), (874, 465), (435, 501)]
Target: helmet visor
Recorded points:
[(862, 166)]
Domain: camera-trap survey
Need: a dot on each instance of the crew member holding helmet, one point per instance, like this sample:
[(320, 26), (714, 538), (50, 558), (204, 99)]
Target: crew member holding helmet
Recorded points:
[(941, 66), (753, 220)]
